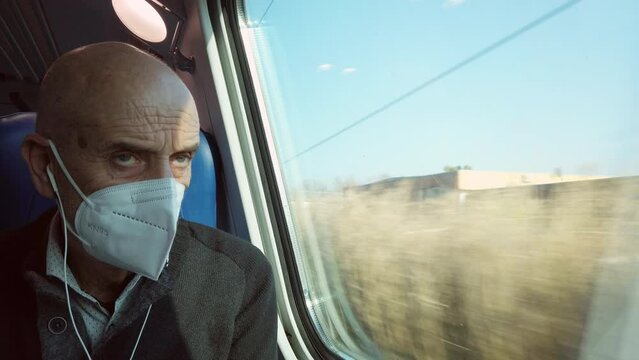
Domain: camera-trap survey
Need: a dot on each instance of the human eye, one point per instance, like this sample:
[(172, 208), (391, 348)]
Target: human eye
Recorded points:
[(126, 159), (182, 160)]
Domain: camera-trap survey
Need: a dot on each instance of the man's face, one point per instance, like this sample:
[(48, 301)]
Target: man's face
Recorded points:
[(134, 142)]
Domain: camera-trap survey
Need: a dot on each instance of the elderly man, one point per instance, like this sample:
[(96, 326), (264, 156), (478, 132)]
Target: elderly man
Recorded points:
[(113, 274)]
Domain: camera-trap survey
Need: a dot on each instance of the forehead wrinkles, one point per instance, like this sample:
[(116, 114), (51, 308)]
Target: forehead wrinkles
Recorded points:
[(155, 133), (147, 125), (142, 108), (138, 111), (167, 140), (142, 118)]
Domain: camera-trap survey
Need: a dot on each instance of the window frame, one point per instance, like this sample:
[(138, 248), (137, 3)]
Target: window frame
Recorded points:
[(259, 182)]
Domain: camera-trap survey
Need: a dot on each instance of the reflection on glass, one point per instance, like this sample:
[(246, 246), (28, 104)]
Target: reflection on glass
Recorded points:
[(461, 176)]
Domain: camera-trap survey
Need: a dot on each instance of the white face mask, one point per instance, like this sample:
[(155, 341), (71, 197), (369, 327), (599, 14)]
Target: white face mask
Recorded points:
[(130, 226)]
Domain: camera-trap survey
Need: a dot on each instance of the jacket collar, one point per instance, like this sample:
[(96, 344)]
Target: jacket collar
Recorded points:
[(34, 266), (36, 255)]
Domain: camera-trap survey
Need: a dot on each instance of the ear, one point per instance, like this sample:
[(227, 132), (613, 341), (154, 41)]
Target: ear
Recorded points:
[(35, 151)]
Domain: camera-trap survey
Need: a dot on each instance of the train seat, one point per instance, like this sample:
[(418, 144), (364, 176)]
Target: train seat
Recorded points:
[(20, 202)]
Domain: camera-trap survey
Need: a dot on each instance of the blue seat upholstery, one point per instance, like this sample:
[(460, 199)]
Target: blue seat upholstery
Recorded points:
[(20, 203), (200, 200)]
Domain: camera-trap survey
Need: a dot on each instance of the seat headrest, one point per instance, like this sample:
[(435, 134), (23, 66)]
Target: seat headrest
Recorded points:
[(20, 203)]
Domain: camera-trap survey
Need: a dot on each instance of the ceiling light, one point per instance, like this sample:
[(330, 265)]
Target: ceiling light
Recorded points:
[(141, 18)]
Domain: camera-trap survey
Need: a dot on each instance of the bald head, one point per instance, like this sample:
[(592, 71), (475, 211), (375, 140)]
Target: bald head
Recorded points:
[(104, 82), (116, 115)]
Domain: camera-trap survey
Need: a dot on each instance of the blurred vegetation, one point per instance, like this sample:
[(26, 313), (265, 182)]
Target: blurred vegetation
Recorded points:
[(501, 274)]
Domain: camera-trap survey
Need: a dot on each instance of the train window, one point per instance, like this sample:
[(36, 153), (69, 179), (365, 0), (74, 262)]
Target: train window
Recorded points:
[(459, 177)]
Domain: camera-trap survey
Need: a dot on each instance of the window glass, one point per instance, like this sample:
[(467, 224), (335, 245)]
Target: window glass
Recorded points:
[(460, 176)]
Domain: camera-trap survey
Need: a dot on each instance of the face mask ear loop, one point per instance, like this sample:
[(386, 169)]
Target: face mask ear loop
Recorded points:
[(67, 175), (66, 247), (55, 189)]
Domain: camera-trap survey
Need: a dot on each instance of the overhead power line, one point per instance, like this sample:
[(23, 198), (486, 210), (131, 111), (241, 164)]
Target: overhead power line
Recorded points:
[(265, 12), (485, 51)]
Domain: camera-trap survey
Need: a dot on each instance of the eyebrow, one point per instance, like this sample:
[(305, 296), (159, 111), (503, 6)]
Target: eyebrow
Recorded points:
[(191, 148), (141, 147)]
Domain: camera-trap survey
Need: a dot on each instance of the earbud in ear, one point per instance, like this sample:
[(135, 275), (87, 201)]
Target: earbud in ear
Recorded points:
[(52, 179)]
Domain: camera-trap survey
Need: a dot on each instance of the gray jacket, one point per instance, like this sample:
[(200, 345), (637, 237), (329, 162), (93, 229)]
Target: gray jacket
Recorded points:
[(215, 300)]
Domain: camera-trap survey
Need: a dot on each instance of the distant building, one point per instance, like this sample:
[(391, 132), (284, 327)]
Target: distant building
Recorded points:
[(435, 185)]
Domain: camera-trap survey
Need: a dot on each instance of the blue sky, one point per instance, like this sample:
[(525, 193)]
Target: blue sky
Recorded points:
[(562, 95)]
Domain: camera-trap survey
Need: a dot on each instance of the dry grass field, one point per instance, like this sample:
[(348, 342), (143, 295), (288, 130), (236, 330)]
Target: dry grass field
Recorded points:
[(502, 274)]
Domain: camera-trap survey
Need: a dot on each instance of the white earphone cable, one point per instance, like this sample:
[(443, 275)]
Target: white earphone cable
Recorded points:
[(66, 285)]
